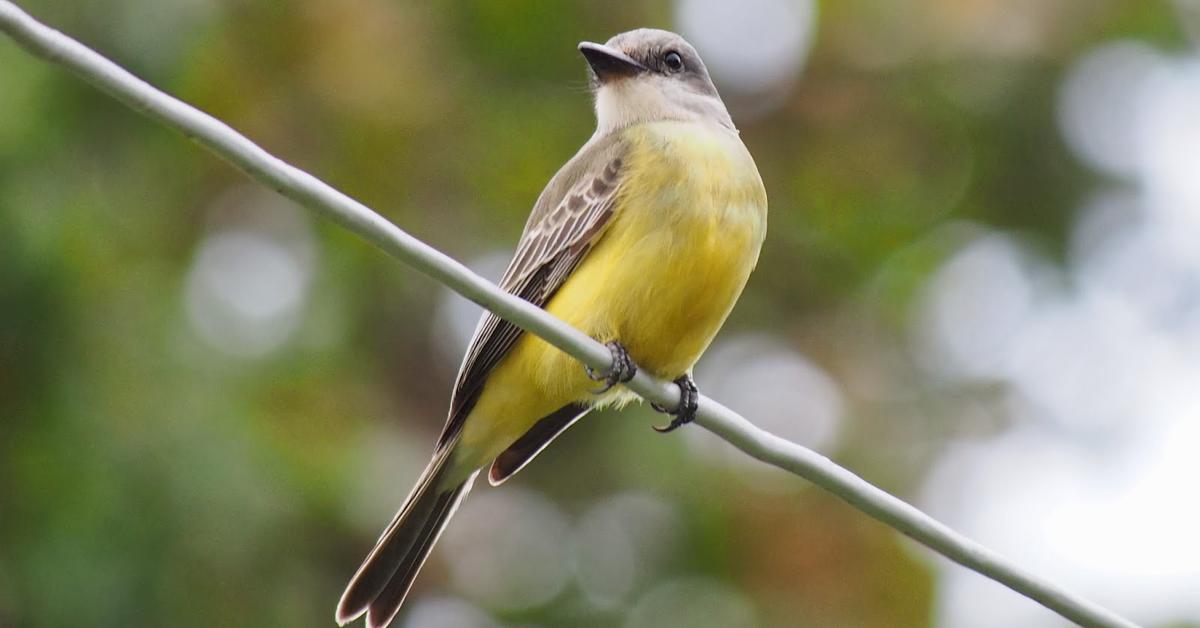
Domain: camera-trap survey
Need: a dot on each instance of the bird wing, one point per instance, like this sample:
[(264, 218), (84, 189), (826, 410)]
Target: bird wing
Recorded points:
[(566, 222)]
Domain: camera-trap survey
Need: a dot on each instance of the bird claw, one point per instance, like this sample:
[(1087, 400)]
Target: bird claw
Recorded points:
[(622, 370), (685, 412)]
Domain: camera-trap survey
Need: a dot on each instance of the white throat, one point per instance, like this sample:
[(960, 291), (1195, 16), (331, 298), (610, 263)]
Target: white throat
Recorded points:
[(626, 102)]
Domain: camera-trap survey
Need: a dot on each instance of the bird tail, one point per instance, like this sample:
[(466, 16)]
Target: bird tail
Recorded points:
[(380, 585)]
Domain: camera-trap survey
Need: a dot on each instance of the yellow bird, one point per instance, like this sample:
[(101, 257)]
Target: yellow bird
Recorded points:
[(643, 240)]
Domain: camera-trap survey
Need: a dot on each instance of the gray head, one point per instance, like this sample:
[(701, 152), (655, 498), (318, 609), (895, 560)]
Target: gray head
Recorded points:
[(650, 75)]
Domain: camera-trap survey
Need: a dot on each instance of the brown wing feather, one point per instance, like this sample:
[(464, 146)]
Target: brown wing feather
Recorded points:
[(567, 220)]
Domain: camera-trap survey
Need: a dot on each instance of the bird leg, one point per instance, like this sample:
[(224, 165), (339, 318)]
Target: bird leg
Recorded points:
[(622, 370), (689, 401)]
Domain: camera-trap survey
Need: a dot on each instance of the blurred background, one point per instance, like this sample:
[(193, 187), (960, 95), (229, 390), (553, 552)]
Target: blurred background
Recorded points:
[(980, 291)]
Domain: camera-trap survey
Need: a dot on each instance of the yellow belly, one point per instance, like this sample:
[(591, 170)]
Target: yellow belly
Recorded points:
[(662, 279)]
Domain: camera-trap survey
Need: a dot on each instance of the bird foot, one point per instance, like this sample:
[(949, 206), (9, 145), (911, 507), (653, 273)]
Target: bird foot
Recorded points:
[(685, 412), (622, 370)]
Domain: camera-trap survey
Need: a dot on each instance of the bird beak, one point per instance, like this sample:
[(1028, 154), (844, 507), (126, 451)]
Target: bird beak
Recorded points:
[(609, 63)]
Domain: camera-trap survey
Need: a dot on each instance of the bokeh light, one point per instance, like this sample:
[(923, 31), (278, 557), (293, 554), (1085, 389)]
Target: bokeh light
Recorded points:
[(1097, 361), (508, 549), (762, 377), (975, 305), (753, 48), (1099, 104), (618, 543), (447, 612), (248, 286), (1169, 122)]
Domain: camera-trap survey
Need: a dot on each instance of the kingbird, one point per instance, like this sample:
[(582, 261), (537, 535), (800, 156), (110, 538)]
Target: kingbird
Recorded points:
[(643, 240)]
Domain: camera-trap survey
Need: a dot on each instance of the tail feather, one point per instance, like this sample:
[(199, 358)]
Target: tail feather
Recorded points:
[(383, 609), (385, 576)]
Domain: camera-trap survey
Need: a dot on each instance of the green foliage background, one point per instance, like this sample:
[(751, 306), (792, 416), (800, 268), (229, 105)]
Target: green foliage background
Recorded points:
[(146, 479)]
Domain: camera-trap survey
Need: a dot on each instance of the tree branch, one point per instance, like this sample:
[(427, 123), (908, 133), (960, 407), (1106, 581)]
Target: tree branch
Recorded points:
[(314, 194)]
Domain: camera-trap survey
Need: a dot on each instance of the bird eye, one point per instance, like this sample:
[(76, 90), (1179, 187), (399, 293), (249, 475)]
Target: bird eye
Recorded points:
[(673, 60)]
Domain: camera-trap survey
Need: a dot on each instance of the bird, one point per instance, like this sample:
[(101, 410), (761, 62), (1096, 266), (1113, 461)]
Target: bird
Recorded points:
[(644, 240)]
